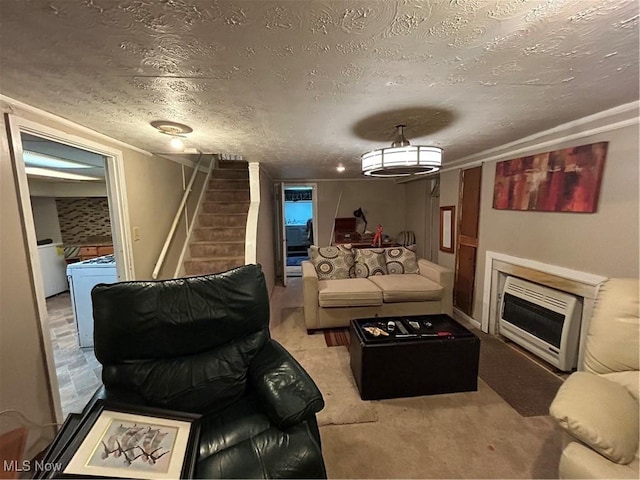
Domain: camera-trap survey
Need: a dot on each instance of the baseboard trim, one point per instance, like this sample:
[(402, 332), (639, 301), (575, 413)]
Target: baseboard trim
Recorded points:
[(460, 315)]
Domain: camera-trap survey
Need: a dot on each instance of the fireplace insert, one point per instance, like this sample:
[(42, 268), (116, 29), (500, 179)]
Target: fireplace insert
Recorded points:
[(542, 320)]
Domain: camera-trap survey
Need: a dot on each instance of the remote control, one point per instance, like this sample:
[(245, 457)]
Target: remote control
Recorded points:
[(401, 327)]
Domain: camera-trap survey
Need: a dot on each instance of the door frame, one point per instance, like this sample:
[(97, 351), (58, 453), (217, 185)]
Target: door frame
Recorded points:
[(118, 211), (314, 206)]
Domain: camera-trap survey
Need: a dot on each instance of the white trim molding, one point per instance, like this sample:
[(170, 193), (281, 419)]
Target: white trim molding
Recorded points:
[(582, 284), (609, 120), (251, 235)]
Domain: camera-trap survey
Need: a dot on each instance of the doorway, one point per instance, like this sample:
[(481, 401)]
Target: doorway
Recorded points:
[(298, 226), (48, 162)]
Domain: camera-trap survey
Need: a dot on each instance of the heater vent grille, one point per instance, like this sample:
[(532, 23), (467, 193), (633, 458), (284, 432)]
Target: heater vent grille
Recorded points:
[(542, 320)]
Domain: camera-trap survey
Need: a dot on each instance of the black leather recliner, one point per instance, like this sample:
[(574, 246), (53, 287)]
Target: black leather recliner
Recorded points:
[(202, 345)]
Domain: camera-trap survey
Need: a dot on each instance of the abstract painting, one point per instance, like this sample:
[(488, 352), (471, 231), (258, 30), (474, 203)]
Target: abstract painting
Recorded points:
[(566, 180)]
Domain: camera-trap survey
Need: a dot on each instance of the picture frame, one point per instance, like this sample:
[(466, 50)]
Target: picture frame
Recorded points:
[(447, 228), (126, 441)]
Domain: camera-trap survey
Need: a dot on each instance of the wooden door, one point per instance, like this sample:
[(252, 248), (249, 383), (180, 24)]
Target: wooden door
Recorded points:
[(468, 220)]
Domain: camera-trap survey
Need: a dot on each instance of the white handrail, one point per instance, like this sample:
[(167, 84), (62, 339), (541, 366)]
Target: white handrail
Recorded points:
[(176, 219), (203, 191)]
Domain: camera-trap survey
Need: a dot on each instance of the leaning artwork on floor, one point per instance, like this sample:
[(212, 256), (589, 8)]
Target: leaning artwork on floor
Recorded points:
[(137, 446), (565, 180)]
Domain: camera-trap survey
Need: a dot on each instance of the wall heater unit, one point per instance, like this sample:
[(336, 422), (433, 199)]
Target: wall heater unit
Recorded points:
[(542, 320)]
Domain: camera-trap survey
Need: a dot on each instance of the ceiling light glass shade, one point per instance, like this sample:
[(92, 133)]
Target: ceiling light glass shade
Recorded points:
[(44, 172), (402, 161), (176, 143), (33, 159)]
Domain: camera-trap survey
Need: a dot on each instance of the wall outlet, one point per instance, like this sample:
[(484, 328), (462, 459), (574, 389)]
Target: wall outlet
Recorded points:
[(136, 234)]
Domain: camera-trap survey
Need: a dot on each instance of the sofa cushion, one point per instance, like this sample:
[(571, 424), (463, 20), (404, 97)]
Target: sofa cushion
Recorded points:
[(409, 287), (599, 413), (332, 263), (401, 260), (353, 292), (370, 262), (629, 380)]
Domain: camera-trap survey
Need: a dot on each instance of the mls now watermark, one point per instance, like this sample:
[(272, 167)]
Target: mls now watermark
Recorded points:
[(30, 466)]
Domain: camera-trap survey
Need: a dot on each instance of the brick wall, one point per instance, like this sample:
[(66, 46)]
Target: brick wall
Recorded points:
[(81, 218)]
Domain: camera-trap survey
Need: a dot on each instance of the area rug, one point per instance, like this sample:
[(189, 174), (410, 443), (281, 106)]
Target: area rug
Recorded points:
[(522, 383), (336, 337), (330, 370)]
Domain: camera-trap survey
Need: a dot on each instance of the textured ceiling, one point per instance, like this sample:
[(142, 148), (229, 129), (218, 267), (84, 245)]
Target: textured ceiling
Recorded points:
[(302, 86)]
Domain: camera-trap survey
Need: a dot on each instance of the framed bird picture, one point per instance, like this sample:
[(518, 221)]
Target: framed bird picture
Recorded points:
[(132, 442)]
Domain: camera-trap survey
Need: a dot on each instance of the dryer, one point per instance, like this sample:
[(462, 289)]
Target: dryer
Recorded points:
[(83, 276)]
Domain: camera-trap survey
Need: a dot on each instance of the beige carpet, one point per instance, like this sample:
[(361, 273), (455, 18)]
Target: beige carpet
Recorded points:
[(461, 435), (329, 368)]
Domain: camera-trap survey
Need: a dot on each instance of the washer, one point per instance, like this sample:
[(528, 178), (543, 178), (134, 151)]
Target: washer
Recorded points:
[(83, 276)]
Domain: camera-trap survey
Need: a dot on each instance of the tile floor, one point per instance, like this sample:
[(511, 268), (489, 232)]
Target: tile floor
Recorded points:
[(79, 373)]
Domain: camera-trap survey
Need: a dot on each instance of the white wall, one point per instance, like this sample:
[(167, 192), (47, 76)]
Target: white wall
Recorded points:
[(383, 202), (45, 218), (265, 248)]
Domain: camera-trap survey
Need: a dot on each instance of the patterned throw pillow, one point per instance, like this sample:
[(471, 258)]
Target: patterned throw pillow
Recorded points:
[(370, 262), (401, 259), (333, 263)]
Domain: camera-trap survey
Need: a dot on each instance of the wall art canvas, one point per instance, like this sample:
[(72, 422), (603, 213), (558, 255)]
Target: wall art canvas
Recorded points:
[(566, 180)]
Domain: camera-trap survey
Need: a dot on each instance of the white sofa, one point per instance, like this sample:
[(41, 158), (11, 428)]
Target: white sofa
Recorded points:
[(333, 303), (598, 406)]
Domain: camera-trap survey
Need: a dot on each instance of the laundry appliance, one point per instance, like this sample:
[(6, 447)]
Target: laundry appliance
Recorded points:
[(83, 276)]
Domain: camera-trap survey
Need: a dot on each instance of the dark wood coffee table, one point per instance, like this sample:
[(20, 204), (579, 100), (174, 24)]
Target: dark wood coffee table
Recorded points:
[(425, 361)]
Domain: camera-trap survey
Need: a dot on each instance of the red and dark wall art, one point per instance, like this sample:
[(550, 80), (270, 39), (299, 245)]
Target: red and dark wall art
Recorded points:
[(566, 180)]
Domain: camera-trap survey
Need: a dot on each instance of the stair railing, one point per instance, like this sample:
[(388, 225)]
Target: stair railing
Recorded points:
[(185, 247), (176, 219)]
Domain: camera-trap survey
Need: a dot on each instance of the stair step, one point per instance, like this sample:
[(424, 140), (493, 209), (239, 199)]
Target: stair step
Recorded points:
[(230, 173), (233, 165), (209, 234), (198, 266), (228, 184), (222, 220), (225, 207), (215, 250), (227, 196)]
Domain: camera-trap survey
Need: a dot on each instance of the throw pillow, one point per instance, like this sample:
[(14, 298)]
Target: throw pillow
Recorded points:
[(599, 413), (370, 262), (333, 263), (401, 260)]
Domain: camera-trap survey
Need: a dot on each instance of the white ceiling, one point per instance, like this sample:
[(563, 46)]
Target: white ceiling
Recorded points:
[(305, 85)]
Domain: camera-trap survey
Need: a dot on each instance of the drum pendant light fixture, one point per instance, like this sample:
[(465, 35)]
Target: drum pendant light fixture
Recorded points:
[(402, 159)]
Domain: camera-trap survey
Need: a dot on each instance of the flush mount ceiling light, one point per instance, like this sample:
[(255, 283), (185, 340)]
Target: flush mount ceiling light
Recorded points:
[(48, 173), (177, 131), (402, 159), (34, 159)]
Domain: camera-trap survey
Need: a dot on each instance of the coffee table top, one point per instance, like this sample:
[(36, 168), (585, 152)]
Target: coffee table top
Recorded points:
[(410, 328)]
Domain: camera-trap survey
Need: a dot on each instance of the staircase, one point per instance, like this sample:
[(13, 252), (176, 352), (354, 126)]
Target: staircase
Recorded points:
[(218, 239)]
